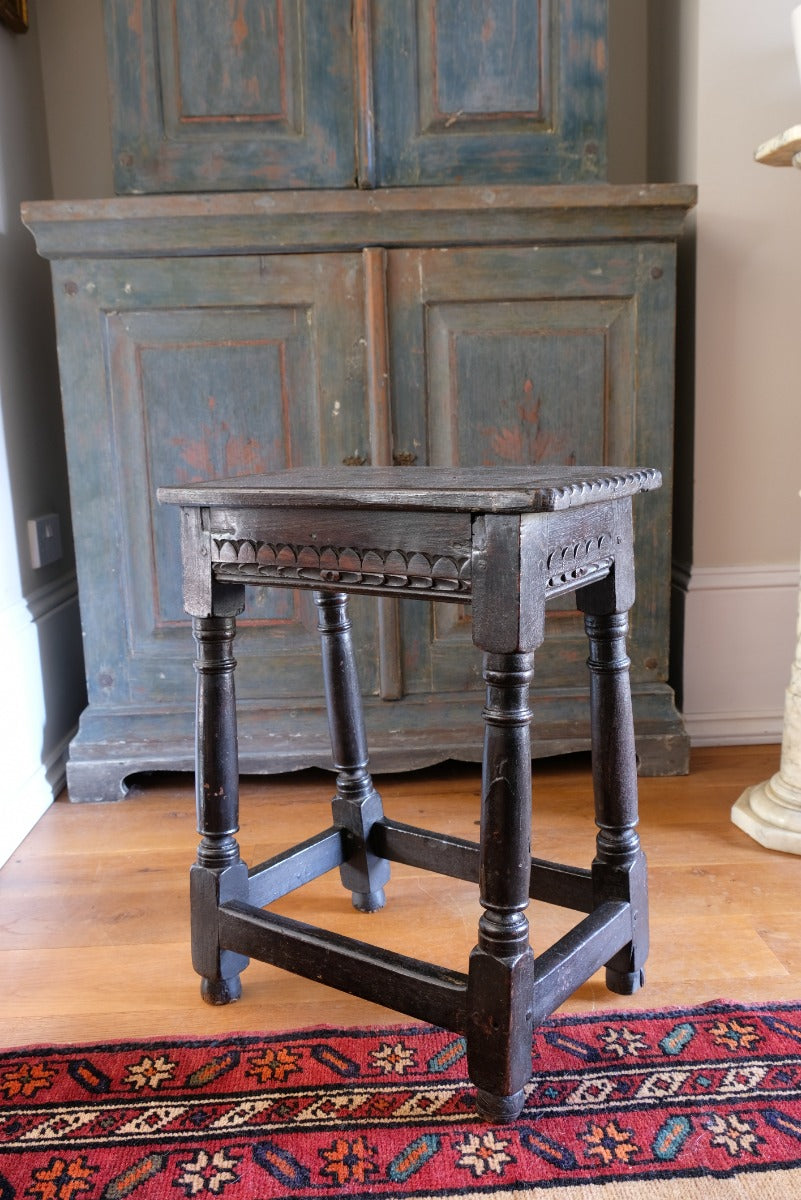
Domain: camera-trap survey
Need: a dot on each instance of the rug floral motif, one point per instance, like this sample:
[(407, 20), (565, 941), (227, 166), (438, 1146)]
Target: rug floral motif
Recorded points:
[(712, 1091)]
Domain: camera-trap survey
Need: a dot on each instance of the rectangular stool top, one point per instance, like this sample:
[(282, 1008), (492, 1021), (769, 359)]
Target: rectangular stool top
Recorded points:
[(549, 488)]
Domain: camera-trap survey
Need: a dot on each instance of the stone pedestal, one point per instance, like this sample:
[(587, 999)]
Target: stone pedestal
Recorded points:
[(770, 812)]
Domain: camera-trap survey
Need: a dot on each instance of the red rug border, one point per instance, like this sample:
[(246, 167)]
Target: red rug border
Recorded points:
[(366, 1030), (595, 1016)]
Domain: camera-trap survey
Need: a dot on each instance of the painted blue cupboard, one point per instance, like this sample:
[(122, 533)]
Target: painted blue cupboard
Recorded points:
[(204, 336), (272, 301), (267, 94)]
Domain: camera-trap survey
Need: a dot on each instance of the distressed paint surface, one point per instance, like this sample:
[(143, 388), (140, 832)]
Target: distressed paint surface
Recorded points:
[(216, 364), (211, 410), (518, 355), (304, 221), (495, 91), (488, 59), (489, 347), (250, 68), (231, 95), (260, 93)]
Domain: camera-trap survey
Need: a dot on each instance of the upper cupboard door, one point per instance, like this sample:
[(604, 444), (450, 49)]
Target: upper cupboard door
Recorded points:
[(231, 95), (473, 91)]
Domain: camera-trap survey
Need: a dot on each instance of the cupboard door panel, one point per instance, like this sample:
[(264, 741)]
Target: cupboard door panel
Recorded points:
[(468, 91), (263, 40), (205, 368), (247, 94), (484, 57), (526, 355)]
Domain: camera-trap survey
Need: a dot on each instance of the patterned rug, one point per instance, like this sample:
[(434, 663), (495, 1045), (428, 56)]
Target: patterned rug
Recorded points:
[(701, 1102)]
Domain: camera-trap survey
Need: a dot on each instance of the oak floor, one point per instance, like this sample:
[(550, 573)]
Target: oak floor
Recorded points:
[(94, 929)]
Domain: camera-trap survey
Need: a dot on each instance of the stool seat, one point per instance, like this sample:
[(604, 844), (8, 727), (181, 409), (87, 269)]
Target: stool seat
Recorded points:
[(442, 489), (503, 540)]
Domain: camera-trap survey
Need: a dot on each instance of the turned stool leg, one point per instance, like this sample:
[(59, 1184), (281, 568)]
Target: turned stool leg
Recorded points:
[(357, 805), (619, 870), (219, 874), (500, 980)]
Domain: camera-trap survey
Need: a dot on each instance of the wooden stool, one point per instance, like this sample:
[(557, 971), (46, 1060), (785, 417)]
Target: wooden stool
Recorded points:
[(505, 540)]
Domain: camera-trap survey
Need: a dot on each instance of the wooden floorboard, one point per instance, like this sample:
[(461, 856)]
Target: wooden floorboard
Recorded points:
[(94, 929)]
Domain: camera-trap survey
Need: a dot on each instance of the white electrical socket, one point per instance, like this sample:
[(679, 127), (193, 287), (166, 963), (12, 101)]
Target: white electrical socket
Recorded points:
[(44, 538)]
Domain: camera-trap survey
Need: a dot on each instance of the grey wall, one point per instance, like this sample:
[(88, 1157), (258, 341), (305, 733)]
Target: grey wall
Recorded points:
[(40, 642)]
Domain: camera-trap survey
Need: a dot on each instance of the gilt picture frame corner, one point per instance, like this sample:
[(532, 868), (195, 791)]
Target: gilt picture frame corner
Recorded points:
[(14, 15)]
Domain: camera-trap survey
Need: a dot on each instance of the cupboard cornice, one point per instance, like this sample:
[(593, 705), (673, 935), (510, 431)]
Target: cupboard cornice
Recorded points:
[(307, 221)]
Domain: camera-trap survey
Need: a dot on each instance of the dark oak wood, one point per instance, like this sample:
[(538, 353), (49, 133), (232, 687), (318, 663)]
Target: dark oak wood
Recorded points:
[(398, 981), (571, 960), (478, 489), (116, 940), (357, 805), (501, 975), (503, 540), (282, 874), (570, 887), (219, 873)]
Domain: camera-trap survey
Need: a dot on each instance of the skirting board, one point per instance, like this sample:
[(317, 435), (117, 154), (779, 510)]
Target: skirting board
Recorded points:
[(38, 644), (739, 643), (20, 812)]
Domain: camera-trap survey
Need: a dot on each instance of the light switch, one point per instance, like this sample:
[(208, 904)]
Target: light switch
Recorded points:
[(44, 536)]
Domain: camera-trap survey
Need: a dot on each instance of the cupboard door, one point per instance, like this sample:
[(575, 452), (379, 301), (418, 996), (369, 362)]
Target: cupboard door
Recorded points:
[(245, 94), (187, 369), (473, 91), (525, 355)]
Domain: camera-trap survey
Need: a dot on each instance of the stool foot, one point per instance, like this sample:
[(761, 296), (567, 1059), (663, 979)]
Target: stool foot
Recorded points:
[(221, 991), (499, 1109), (369, 902), (625, 983)]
